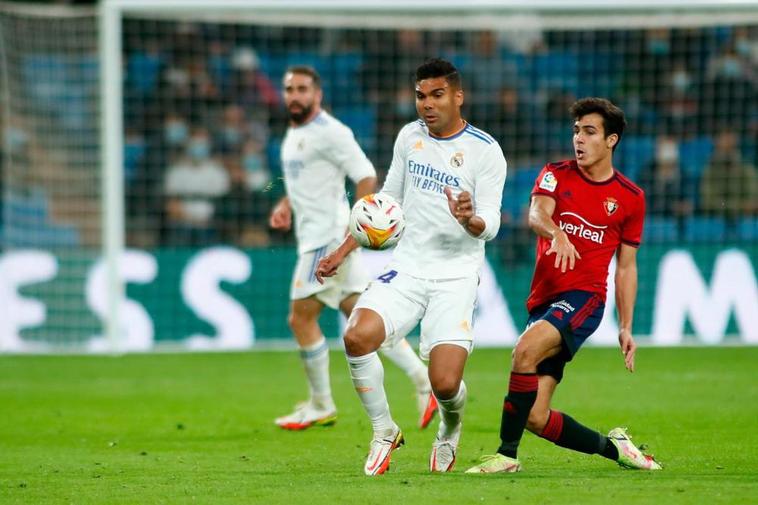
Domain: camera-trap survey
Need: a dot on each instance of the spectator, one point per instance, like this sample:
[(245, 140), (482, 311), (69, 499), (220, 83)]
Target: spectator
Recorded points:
[(669, 193), (192, 186), (729, 186), (241, 215)]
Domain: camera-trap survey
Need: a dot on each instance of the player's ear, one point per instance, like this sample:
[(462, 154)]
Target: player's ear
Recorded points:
[(459, 97), (611, 140)]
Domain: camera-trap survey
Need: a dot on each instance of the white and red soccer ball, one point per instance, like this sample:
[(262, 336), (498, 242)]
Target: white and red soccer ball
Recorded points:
[(377, 221)]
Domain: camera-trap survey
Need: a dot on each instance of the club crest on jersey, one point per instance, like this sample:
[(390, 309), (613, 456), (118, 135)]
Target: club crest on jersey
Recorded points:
[(548, 182), (457, 160), (610, 205)]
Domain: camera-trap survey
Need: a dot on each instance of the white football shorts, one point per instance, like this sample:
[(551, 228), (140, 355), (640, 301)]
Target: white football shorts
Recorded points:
[(350, 278), (445, 309)]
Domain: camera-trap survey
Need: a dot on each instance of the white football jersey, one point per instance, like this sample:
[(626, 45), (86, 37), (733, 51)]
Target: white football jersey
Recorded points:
[(316, 158), (434, 245)]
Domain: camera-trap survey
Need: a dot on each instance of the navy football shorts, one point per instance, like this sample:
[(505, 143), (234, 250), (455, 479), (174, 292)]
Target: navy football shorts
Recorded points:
[(576, 315)]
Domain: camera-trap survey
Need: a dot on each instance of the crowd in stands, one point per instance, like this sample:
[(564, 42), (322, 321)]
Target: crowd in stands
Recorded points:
[(204, 118)]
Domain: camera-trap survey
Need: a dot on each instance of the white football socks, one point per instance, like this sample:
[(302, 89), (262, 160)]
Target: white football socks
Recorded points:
[(316, 362), (367, 373), (451, 412), (405, 358)]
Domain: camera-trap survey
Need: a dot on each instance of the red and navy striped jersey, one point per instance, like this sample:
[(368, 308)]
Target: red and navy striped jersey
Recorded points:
[(597, 216)]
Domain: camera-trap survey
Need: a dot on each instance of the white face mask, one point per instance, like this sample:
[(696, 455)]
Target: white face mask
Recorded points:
[(667, 152), (681, 80)]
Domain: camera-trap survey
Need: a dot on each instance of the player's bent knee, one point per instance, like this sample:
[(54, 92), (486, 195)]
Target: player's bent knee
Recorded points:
[(524, 358), (445, 387), (359, 342)]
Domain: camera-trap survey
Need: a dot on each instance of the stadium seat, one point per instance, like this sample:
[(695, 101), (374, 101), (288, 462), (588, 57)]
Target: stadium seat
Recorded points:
[(362, 120), (556, 70), (660, 230), (142, 72), (700, 229), (694, 155), (634, 152), (28, 210), (747, 229), (600, 72)]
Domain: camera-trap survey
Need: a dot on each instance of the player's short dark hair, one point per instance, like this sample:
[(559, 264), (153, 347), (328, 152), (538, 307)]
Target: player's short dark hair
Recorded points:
[(613, 117), (437, 67), (305, 70)]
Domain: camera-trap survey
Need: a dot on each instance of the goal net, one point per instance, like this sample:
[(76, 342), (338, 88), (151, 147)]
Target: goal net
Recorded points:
[(193, 122)]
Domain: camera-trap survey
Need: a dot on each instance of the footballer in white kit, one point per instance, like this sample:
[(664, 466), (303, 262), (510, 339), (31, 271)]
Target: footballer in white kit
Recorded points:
[(448, 177), (436, 262), (318, 154), (316, 158)]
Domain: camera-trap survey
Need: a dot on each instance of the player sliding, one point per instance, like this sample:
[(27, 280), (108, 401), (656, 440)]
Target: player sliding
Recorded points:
[(584, 212), (448, 176)]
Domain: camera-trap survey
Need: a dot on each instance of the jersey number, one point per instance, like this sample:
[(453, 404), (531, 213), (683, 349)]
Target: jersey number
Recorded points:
[(386, 278)]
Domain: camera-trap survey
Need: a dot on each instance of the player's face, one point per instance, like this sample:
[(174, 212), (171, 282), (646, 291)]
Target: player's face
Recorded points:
[(439, 105), (301, 97), (591, 146)]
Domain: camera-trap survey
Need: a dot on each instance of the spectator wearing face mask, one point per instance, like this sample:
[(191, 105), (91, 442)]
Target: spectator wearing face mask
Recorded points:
[(192, 186), (669, 193), (729, 187)]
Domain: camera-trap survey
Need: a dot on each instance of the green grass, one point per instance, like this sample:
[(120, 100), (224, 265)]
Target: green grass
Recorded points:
[(197, 428)]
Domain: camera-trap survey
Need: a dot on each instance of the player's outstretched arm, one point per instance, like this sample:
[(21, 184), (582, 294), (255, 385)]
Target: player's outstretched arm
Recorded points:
[(541, 222), (462, 209), (626, 294), (281, 215), (328, 265)]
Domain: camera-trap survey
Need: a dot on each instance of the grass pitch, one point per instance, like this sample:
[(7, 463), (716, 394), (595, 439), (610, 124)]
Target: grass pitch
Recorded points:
[(197, 428)]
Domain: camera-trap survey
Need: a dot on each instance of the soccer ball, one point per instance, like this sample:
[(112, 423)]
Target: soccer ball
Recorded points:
[(377, 221)]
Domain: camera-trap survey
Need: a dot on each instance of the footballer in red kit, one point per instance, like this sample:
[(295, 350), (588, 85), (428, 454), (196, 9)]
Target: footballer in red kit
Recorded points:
[(596, 216), (584, 212)]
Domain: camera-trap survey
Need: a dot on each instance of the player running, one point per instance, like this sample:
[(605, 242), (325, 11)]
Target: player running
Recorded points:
[(584, 212), (318, 153), (448, 176)]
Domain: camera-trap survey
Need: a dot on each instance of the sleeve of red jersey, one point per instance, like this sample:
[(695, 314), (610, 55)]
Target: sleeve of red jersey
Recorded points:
[(546, 182), (631, 234)]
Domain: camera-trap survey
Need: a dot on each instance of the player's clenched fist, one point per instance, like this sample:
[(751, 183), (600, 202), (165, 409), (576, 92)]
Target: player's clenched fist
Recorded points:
[(462, 208)]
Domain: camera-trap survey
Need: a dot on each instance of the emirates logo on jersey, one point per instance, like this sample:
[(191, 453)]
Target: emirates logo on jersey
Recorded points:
[(610, 205)]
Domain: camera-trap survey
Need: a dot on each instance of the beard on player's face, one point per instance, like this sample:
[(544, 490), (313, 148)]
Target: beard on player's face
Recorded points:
[(300, 112)]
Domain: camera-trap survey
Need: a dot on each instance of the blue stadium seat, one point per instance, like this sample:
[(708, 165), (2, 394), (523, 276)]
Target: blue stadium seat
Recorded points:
[(45, 77), (747, 229), (29, 223), (633, 153), (700, 229), (600, 72), (143, 71), (694, 155), (45, 237), (556, 70), (362, 120), (660, 230), (28, 210)]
